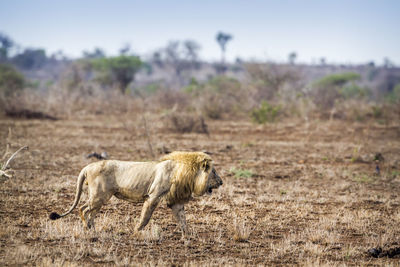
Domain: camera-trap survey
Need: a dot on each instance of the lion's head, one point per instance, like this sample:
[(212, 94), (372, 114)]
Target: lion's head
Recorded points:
[(214, 181), (194, 173)]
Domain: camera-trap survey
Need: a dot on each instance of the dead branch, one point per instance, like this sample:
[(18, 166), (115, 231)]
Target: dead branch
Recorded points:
[(147, 135), (13, 156), (128, 129), (8, 143)]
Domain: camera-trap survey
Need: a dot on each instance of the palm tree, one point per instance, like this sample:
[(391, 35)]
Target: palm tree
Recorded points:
[(222, 39)]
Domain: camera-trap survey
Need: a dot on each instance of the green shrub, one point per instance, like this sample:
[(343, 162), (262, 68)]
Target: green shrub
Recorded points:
[(337, 79), (192, 87), (265, 113), (147, 90), (363, 178), (394, 95), (241, 173), (377, 112), (353, 91), (220, 85), (329, 89), (10, 80)]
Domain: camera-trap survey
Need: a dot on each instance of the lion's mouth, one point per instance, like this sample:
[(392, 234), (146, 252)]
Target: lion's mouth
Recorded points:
[(211, 188)]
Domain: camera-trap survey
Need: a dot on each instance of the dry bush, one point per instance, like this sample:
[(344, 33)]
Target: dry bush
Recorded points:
[(185, 123), (213, 105), (166, 98), (267, 80), (219, 97), (241, 231), (59, 102), (363, 111), (26, 101), (73, 94)]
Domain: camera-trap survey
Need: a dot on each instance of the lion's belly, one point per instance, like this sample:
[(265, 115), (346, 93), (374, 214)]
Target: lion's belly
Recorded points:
[(134, 182), (130, 196)]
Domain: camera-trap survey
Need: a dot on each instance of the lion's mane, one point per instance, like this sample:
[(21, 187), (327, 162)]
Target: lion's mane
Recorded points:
[(190, 175)]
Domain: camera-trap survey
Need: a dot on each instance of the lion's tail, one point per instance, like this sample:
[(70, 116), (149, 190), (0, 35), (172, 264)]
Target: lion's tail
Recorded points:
[(81, 179)]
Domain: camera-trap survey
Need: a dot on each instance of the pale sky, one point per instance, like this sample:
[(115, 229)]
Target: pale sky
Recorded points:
[(342, 31)]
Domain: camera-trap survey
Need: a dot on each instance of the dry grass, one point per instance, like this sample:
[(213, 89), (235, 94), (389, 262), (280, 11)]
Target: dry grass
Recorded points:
[(241, 232), (307, 202)]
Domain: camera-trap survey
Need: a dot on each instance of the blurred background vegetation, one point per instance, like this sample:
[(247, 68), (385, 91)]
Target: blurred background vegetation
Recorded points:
[(174, 80)]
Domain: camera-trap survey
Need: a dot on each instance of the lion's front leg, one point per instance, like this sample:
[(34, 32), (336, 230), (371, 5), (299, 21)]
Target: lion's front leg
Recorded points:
[(148, 207), (179, 213)]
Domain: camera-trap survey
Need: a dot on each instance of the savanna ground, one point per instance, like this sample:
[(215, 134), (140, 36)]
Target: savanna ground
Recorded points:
[(294, 193)]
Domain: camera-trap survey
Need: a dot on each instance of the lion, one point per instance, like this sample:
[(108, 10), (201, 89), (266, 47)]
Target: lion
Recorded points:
[(175, 177)]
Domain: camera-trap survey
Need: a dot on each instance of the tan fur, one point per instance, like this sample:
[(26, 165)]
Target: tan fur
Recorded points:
[(175, 177)]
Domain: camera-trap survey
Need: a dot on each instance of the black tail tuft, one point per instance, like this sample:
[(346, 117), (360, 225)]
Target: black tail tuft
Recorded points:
[(54, 216)]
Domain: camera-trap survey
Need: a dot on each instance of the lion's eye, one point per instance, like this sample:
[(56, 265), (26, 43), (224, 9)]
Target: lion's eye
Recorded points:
[(207, 167)]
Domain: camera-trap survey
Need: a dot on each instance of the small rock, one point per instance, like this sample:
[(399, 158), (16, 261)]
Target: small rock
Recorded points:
[(374, 252), (96, 155), (378, 157)]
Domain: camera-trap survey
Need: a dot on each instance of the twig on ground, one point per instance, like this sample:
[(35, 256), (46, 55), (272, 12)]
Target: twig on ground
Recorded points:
[(147, 134), (8, 143), (12, 157)]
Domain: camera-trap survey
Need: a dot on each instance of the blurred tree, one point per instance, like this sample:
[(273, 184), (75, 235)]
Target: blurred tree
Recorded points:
[(174, 57), (182, 55), (292, 58), (10, 80), (191, 51), (5, 45), (125, 49), (58, 55), (97, 53), (30, 59), (239, 61), (117, 71), (157, 59), (387, 63), (223, 39), (371, 64)]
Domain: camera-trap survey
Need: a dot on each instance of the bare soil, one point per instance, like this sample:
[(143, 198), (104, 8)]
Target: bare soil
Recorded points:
[(294, 193)]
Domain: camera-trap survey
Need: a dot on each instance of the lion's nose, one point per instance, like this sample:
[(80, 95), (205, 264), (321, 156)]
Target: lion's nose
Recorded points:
[(220, 182)]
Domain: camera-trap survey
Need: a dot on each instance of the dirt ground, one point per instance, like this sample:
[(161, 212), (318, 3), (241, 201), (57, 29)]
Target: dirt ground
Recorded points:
[(294, 193)]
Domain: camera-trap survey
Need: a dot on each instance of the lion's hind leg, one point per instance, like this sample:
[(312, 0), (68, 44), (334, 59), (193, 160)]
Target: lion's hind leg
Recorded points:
[(82, 213), (98, 196), (89, 212), (90, 215)]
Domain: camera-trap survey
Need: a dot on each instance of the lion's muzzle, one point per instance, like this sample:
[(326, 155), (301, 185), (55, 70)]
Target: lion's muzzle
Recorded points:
[(215, 181)]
